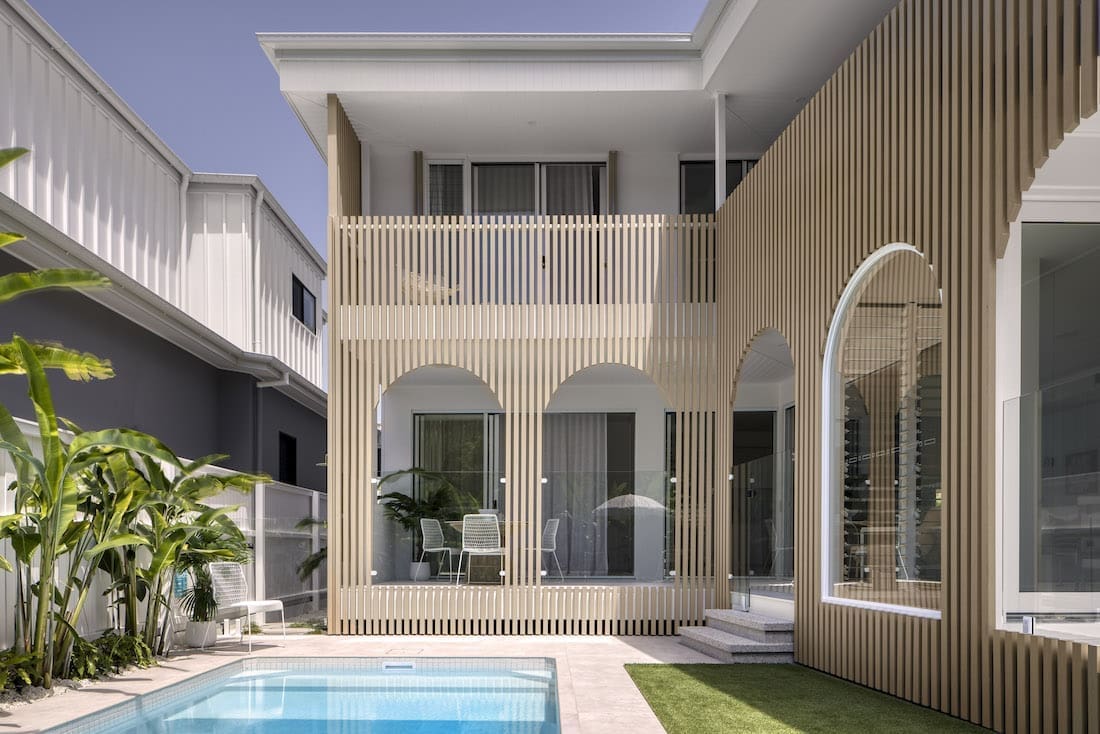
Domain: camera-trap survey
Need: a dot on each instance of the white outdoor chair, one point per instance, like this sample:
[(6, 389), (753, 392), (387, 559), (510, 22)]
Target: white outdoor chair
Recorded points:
[(434, 542), (550, 542), (480, 537), (231, 595)]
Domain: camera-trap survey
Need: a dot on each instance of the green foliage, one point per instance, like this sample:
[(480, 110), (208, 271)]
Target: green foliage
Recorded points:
[(118, 652), (88, 504), (18, 670), (436, 497)]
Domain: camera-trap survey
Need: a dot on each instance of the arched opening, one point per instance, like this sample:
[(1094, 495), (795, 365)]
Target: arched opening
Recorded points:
[(762, 473), (439, 441), (882, 419), (606, 493), (1048, 397)]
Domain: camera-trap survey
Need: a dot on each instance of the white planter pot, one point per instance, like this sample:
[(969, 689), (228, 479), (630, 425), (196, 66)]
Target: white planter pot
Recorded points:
[(420, 571), (200, 634)]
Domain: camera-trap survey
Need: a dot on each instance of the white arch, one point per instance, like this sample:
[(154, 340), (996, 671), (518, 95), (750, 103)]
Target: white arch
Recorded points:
[(832, 396)]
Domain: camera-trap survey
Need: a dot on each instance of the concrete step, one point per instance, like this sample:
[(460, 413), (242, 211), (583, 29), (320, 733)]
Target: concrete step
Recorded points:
[(733, 648), (752, 626)]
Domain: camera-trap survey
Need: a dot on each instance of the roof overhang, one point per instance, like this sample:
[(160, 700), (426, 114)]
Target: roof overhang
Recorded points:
[(767, 56)]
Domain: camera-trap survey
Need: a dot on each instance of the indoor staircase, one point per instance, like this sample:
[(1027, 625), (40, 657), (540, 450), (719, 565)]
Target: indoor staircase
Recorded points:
[(742, 637)]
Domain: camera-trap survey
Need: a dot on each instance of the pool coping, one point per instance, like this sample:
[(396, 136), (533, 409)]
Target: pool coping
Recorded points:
[(595, 694)]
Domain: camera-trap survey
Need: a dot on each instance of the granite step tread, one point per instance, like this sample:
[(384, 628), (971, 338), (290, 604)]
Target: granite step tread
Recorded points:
[(731, 643), (749, 620)]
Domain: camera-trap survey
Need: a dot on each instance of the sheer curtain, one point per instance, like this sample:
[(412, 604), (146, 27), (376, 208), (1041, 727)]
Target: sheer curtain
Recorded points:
[(575, 461), (572, 188), (504, 188)]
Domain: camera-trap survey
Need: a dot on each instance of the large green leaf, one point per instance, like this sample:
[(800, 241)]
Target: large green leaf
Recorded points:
[(7, 238), (117, 541), (42, 400), (76, 365), (14, 285), (11, 433), (7, 155), (126, 439)]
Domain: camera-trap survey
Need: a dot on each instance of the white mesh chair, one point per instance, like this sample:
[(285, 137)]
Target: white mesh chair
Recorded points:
[(434, 542), (231, 595), (550, 542), (480, 537)]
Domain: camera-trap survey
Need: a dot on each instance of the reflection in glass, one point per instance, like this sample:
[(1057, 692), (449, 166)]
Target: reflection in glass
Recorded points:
[(890, 506)]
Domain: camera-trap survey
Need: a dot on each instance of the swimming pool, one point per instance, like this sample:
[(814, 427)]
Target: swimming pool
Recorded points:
[(338, 695)]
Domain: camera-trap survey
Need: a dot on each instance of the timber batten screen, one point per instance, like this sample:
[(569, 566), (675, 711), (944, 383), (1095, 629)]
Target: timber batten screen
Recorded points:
[(927, 135), (523, 303)]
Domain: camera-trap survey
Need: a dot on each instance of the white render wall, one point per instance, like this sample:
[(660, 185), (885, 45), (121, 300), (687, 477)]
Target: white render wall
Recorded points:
[(101, 178)]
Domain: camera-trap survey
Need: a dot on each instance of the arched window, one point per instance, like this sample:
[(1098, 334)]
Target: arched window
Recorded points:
[(881, 437)]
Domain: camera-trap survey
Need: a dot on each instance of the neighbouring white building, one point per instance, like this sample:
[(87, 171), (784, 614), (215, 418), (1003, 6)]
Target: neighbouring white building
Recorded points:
[(214, 319)]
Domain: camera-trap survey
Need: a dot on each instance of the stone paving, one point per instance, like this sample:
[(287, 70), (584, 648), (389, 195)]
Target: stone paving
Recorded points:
[(594, 691)]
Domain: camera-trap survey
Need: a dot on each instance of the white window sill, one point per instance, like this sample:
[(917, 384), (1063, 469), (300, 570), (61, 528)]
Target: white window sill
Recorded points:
[(881, 607)]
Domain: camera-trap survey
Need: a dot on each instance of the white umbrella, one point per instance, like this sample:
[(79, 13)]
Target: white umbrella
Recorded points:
[(631, 502)]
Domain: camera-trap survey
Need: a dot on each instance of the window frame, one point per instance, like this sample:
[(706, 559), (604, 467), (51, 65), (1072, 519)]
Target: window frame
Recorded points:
[(298, 293), (832, 405)]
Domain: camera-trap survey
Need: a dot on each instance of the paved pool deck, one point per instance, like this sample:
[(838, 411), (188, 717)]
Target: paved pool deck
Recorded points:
[(594, 691)]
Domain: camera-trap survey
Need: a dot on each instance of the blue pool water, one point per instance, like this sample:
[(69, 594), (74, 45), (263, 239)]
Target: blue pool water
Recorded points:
[(338, 696)]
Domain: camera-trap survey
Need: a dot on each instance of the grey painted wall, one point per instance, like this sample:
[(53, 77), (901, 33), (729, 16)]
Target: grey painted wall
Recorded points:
[(159, 388)]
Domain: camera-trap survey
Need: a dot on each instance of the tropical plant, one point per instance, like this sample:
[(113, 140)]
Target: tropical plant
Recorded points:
[(435, 497), (172, 515), (47, 524), (210, 544)]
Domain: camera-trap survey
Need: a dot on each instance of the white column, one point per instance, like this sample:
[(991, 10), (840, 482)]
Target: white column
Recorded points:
[(315, 546), (259, 544), (719, 150)]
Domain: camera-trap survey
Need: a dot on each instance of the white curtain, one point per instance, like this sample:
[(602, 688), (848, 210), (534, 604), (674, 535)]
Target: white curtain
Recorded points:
[(575, 461)]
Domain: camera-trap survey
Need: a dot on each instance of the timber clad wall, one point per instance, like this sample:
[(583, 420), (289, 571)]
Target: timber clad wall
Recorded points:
[(927, 135), (524, 304)]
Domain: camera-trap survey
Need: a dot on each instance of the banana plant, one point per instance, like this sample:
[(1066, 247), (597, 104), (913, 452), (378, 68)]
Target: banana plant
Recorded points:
[(173, 512), (47, 524)]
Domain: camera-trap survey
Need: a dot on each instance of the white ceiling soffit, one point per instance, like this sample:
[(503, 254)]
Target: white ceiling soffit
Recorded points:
[(582, 91), (768, 361)]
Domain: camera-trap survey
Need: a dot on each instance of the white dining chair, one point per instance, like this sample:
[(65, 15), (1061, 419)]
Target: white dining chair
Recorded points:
[(434, 542), (550, 542), (480, 537), (231, 595)]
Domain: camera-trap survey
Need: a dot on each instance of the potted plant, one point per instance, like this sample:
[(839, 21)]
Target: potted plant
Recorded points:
[(437, 498), (219, 542), (201, 608)]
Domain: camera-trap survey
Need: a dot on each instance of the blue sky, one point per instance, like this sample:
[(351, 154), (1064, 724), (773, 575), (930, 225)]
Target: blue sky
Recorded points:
[(193, 70)]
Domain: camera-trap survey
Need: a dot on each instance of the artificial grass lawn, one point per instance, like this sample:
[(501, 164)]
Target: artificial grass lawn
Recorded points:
[(694, 699)]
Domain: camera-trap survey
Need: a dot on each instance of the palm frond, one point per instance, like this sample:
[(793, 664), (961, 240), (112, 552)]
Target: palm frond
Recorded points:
[(76, 365), (14, 285)]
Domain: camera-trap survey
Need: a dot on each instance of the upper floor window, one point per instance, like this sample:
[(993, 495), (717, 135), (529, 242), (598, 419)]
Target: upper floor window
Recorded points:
[(697, 183), (445, 189), (516, 188), (303, 304)]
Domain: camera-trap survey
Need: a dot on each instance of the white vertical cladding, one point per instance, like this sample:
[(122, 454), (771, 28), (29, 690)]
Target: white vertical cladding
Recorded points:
[(217, 261), (90, 174), (281, 257)]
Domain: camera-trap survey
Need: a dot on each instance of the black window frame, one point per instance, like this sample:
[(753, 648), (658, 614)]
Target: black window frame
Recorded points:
[(298, 301)]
